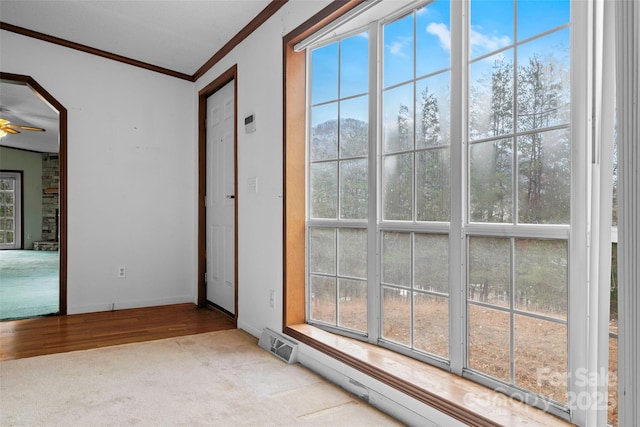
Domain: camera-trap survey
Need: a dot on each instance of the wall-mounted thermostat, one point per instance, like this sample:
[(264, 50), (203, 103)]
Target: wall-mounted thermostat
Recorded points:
[(250, 124)]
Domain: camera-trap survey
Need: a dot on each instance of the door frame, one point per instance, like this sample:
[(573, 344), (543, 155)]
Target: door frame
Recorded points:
[(62, 163), (228, 76)]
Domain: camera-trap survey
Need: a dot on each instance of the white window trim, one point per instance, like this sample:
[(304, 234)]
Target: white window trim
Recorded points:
[(584, 307), (627, 27)]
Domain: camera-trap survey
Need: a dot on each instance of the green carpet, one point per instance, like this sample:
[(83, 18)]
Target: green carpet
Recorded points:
[(29, 283)]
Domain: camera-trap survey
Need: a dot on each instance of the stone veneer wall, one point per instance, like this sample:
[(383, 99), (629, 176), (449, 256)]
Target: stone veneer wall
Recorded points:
[(50, 198)]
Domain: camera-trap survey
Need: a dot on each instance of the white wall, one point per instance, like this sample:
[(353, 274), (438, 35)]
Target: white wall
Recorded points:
[(260, 228), (133, 170), (131, 175), (260, 263)]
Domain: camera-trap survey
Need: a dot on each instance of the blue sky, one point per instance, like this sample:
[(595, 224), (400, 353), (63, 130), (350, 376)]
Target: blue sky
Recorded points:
[(494, 26)]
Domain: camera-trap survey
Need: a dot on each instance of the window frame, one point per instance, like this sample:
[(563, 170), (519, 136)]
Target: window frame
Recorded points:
[(16, 177), (580, 174), (460, 106)]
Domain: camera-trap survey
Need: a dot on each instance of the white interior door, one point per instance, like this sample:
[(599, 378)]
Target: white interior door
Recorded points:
[(220, 200)]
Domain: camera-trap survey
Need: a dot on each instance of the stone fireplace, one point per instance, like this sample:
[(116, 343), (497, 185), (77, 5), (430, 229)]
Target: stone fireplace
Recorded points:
[(50, 204)]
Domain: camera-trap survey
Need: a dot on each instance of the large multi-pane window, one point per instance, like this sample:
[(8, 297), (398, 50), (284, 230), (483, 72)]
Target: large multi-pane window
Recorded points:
[(10, 188), (338, 183), (402, 251), (519, 176)]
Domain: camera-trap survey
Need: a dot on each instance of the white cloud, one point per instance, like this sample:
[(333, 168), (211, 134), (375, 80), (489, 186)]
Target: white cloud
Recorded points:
[(398, 46), (487, 43), (443, 34)]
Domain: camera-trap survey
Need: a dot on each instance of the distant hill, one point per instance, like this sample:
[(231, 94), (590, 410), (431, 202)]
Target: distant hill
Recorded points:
[(353, 137)]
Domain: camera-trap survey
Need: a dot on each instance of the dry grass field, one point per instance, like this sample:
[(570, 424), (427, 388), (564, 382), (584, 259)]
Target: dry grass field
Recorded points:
[(540, 346)]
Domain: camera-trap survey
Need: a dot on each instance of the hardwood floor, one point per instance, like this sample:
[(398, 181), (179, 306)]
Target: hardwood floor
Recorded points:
[(58, 334)]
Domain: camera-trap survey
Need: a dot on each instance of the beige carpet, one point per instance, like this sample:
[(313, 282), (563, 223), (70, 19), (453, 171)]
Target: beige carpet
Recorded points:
[(213, 379)]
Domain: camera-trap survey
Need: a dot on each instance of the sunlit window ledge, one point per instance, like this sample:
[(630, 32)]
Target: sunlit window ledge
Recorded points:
[(464, 400)]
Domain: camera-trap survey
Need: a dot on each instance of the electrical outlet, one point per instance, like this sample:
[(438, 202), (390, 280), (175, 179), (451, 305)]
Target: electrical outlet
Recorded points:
[(272, 299), (122, 272)]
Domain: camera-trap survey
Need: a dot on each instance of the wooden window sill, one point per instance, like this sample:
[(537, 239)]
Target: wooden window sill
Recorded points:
[(464, 400)]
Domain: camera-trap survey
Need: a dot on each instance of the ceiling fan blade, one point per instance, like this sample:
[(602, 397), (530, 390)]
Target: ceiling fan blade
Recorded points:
[(26, 128)]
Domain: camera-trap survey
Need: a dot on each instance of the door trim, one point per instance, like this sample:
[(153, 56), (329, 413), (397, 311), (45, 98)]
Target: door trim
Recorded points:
[(62, 159), (228, 76)]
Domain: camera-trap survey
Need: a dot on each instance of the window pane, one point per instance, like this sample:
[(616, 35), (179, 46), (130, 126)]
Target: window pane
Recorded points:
[(324, 132), (353, 304), (535, 17), (612, 413), (489, 270), (396, 258), (323, 299), (324, 182), (398, 51), (490, 181), (544, 186), (433, 111), (397, 192), (352, 252), (543, 82), (398, 119), (354, 65), (354, 189), (489, 342), (541, 357), (7, 184), (354, 127), (322, 250), (541, 277), (491, 96), (431, 324), (431, 262), (433, 37), (396, 315), (324, 74), (491, 26), (432, 179)]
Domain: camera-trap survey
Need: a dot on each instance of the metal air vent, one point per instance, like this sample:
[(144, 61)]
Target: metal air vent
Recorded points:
[(279, 346)]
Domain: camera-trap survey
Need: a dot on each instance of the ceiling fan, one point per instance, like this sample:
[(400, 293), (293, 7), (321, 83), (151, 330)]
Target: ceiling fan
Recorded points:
[(7, 127)]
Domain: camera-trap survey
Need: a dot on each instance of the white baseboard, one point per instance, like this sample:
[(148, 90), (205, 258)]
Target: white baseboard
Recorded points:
[(249, 329), (123, 305), (387, 399)]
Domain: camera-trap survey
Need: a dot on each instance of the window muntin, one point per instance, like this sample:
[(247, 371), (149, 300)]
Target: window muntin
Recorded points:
[(519, 175), (7, 210), (10, 210), (518, 136), (338, 174), (416, 112), (519, 114), (337, 277), (518, 289), (415, 287)]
